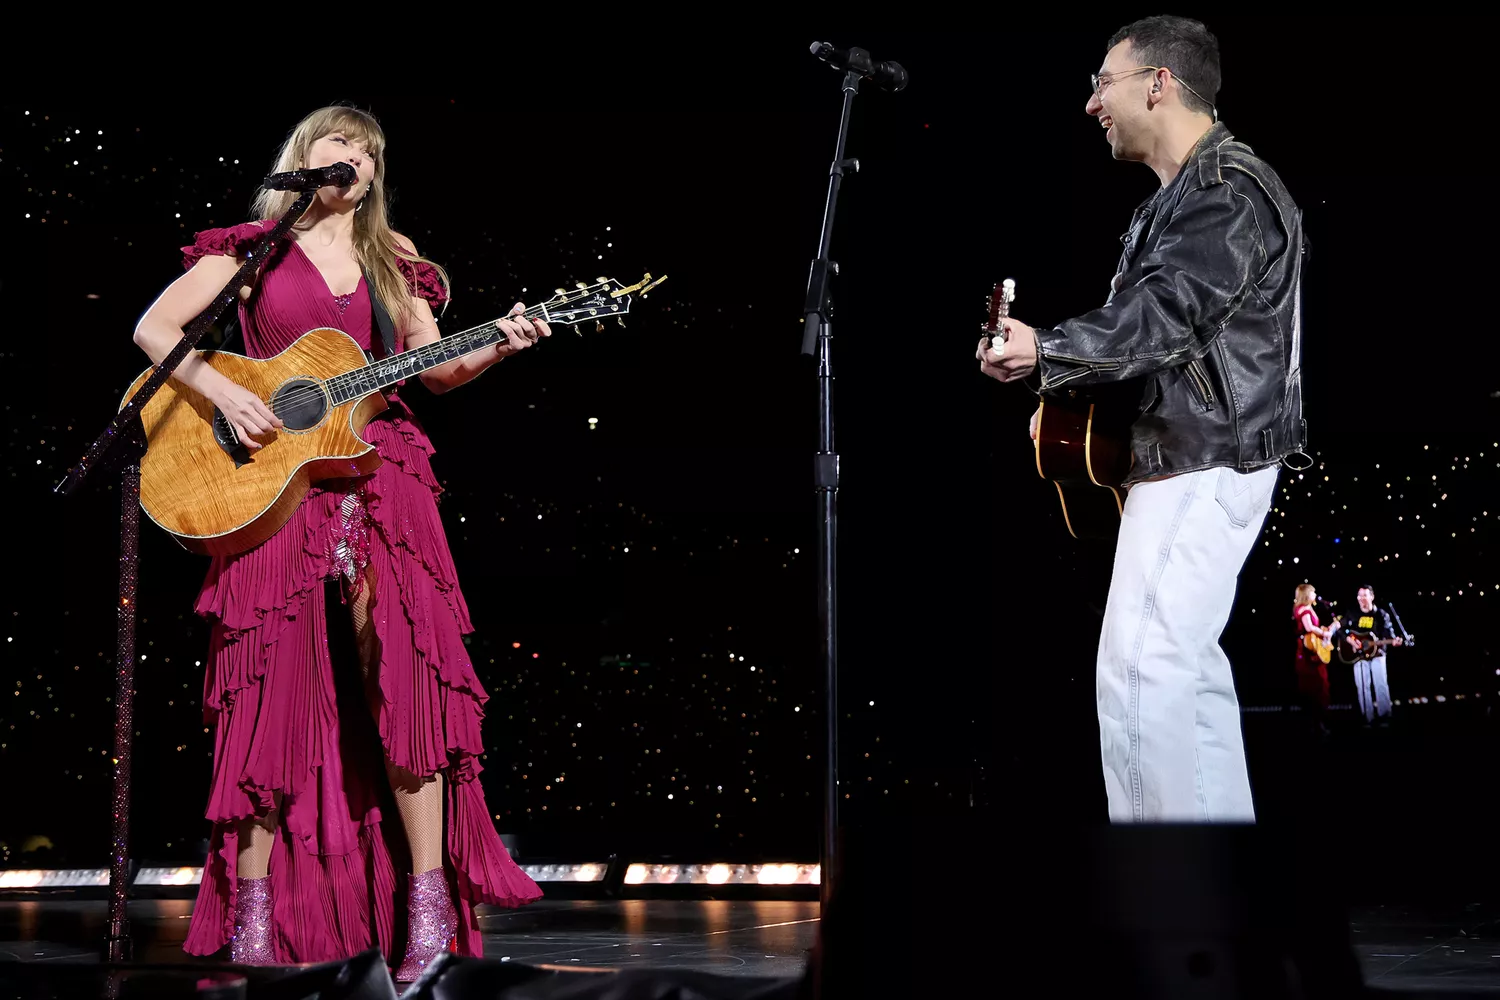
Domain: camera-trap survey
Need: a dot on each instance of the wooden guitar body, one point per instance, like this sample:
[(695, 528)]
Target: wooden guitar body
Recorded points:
[(1083, 449), (219, 498), (1319, 645), (216, 496)]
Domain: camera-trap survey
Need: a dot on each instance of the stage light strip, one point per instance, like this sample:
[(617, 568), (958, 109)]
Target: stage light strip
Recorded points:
[(24, 878), (566, 873), (724, 874), (77, 877), (168, 876)]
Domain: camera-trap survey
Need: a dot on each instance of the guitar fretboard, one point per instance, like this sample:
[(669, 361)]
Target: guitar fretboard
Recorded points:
[(389, 371)]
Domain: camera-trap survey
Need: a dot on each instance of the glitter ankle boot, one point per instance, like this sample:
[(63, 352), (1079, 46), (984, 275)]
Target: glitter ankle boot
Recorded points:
[(251, 944), (431, 920)]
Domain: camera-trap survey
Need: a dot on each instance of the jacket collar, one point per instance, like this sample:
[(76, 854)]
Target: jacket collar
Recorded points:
[(1202, 161), (1205, 155)]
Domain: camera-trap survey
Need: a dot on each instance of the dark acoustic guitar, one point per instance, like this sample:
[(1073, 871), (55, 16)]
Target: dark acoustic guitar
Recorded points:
[(1082, 442), (1370, 647)]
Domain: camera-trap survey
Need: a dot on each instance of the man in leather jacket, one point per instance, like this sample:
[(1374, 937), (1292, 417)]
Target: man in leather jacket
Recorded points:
[(1204, 319)]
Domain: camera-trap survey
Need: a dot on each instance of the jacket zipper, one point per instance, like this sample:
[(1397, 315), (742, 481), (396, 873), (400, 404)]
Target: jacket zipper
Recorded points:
[(1199, 379)]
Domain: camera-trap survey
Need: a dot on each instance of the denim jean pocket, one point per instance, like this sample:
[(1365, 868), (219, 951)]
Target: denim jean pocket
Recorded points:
[(1244, 496)]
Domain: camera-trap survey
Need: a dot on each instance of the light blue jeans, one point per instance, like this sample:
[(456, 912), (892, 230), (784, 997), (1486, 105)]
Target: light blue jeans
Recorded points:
[(1169, 719), (1368, 674)]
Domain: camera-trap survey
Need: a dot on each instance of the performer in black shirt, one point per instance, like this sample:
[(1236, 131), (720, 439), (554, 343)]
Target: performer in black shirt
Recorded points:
[(1370, 679)]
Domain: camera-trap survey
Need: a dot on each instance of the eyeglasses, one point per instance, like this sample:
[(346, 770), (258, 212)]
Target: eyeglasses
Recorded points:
[(1096, 79), (1100, 82)]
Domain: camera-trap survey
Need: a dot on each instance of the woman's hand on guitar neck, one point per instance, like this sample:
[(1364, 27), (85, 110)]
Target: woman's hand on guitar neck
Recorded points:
[(520, 332)]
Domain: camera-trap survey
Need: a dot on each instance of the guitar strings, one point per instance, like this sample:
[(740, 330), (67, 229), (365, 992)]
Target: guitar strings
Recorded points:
[(419, 356), (415, 358)]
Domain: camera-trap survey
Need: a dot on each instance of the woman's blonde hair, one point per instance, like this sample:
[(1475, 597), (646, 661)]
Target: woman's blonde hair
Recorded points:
[(1304, 595), (374, 242)]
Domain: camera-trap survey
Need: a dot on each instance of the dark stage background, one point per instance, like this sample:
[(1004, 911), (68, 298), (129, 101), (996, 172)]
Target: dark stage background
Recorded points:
[(644, 592)]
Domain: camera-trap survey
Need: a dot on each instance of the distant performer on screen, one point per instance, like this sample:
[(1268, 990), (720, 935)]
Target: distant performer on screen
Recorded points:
[(1314, 649), (1368, 634)]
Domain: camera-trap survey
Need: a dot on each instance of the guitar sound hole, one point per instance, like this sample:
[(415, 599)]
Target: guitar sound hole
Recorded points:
[(301, 404)]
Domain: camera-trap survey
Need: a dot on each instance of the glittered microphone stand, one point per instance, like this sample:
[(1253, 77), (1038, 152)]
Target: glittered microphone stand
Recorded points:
[(121, 446)]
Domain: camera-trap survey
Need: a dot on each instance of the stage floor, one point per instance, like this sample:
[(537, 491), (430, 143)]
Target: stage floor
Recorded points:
[(1404, 948), (766, 939)]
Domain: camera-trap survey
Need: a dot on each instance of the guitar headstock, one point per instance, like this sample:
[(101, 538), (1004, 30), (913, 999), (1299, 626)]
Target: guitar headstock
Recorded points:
[(1001, 297), (595, 302)]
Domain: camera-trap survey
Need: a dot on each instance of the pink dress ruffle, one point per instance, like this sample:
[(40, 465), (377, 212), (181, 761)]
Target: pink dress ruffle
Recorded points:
[(270, 690)]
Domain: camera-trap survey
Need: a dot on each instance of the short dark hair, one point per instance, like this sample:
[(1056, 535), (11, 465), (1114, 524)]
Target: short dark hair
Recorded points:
[(1366, 586), (1182, 45)]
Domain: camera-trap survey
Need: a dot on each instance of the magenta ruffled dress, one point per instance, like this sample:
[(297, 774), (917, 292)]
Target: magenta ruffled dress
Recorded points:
[(270, 692)]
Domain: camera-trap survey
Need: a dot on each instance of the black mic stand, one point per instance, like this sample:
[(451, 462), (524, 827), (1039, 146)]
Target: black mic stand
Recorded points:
[(122, 445), (817, 337), (1406, 639)]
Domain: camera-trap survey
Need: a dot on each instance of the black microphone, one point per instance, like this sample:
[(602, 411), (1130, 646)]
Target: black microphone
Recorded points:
[(886, 75), (336, 175)]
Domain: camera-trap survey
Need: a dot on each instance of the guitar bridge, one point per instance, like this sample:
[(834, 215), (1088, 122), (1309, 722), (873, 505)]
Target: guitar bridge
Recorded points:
[(227, 439)]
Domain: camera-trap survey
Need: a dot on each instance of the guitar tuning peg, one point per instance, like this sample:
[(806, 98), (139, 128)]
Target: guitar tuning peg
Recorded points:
[(582, 285), (620, 320), (601, 280), (598, 326), (560, 291)]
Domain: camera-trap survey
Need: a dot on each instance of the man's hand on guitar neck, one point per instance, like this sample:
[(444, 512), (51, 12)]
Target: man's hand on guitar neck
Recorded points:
[(1357, 643), (1016, 355)]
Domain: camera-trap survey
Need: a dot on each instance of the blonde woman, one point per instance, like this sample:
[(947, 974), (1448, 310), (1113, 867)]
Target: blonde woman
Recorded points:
[(303, 866), (1312, 672)]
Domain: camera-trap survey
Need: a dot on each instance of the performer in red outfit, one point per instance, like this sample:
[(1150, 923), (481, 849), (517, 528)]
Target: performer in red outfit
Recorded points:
[(298, 869), (1312, 672)]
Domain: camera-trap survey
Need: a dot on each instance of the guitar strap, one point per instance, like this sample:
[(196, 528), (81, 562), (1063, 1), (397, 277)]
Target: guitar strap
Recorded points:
[(382, 319), (234, 339)]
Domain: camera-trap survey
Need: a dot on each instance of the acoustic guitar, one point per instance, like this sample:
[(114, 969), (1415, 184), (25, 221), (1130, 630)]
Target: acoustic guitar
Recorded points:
[(1082, 442), (205, 488), (1322, 647), (1370, 647)]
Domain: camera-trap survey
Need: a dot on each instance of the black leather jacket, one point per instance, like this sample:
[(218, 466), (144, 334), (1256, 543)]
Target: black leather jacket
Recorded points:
[(1205, 315)]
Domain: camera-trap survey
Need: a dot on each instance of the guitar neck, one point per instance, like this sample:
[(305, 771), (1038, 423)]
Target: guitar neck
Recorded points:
[(587, 304), (388, 371), (1000, 299)]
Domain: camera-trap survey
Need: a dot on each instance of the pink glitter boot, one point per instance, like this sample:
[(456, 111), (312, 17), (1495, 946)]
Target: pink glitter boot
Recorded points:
[(251, 943), (431, 921)]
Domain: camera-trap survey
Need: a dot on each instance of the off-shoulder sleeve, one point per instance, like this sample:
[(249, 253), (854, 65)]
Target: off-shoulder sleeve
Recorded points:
[(422, 279), (233, 241)]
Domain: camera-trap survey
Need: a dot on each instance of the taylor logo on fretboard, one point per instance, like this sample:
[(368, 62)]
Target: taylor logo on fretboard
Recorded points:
[(202, 485)]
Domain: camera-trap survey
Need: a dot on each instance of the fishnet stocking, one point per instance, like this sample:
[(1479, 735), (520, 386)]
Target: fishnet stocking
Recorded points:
[(256, 837), (419, 802)]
